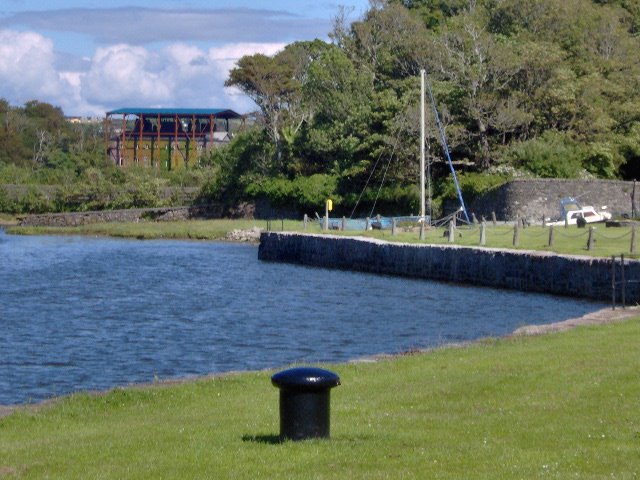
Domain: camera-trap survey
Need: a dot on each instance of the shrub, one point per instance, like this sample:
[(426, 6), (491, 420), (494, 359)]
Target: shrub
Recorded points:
[(6, 205), (302, 193), (473, 185), (311, 192), (34, 201), (552, 155)]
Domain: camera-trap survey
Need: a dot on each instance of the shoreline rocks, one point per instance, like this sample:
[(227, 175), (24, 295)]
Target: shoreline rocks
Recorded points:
[(250, 236)]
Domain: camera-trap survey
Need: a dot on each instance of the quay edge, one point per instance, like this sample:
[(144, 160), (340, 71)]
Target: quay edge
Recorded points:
[(576, 276)]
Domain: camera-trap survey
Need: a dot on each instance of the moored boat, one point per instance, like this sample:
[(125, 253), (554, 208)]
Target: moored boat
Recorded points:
[(571, 211)]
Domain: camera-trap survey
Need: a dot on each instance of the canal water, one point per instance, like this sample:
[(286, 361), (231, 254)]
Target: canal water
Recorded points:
[(80, 313)]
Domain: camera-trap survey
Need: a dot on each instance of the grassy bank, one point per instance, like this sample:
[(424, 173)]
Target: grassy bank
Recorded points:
[(572, 240), (7, 220), (556, 406), (187, 229)]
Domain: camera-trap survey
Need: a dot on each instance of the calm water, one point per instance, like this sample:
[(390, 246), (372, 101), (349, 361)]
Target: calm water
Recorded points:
[(80, 313)]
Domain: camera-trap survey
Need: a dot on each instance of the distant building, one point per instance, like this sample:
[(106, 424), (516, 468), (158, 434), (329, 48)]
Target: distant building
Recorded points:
[(167, 138), (83, 120)]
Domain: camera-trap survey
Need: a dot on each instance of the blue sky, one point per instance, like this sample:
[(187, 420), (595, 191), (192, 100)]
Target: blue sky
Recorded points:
[(90, 56)]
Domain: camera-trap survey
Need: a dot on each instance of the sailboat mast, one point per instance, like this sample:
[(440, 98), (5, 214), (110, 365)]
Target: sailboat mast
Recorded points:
[(422, 138)]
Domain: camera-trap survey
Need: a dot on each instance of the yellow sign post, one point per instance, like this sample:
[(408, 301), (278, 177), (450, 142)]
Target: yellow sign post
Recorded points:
[(328, 207)]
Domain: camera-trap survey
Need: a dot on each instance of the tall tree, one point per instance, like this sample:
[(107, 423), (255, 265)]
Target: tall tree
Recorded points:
[(275, 85)]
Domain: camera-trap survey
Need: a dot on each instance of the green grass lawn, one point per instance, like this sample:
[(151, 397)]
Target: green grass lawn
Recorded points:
[(572, 240), (565, 405)]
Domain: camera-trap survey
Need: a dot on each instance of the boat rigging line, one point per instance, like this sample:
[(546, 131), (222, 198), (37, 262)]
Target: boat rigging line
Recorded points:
[(425, 86), (445, 147), (365, 185), (384, 176)]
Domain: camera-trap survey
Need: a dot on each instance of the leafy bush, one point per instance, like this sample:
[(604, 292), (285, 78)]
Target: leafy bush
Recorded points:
[(552, 155), (15, 175), (309, 192), (604, 159), (472, 185), (6, 205), (34, 202), (392, 200), (302, 193)]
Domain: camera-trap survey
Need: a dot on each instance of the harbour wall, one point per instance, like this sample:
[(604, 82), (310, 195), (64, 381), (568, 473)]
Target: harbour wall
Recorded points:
[(536, 198), (529, 271)]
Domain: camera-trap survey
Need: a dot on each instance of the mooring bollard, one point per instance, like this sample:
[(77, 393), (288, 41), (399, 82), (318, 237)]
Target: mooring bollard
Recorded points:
[(305, 402)]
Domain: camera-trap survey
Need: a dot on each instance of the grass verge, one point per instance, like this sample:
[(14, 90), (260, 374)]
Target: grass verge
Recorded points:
[(7, 220), (572, 240), (554, 406), (185, 229)]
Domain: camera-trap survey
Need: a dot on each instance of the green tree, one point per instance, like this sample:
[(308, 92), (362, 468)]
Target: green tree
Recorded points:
[(275, 85)]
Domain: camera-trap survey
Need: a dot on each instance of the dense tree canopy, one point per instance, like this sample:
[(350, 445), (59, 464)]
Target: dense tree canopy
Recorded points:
[(541, 88)]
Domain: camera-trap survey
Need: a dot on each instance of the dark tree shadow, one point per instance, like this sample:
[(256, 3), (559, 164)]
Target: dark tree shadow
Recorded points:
[(270, 439)]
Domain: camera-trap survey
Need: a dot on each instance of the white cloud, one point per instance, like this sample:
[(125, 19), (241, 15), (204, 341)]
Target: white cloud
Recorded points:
[(126, 74), (27, 68), (178, 75), (226, 56)]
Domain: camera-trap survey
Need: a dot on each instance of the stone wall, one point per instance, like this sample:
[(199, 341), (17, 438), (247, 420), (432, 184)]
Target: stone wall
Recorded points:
[(542, 272), (248, 210), (533, 199), (72, 219)]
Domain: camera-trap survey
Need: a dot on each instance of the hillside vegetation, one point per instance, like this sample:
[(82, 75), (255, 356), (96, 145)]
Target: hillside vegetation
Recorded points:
[(544, 88)]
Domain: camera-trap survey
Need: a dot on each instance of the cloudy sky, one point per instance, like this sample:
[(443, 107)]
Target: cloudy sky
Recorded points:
[(91, 56)]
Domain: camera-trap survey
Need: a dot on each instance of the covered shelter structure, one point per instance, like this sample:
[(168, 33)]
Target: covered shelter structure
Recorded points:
[(166, 138)]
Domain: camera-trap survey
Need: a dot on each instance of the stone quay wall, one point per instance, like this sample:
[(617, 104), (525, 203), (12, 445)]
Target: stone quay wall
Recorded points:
[(534, 198), (529, 271), (73, 219)]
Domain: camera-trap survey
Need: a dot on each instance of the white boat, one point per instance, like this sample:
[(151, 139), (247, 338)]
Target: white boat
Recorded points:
[(571, 211)]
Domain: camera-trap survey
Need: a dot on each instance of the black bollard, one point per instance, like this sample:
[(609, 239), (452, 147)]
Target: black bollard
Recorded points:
[(305, 402)]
